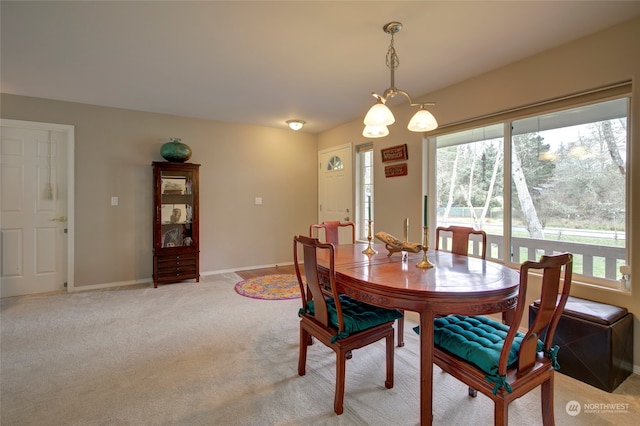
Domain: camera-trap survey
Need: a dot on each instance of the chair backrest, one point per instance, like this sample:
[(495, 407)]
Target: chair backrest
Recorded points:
[(460, 239), (331, 231), (552, 302), (312, 289)]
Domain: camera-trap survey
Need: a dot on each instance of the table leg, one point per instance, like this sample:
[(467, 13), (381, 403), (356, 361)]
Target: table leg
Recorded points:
[(426, 367), (508, 316)]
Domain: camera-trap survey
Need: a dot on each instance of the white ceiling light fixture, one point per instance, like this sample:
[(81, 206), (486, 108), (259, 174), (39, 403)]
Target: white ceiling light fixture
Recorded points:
[(380, 116), (295, 125)]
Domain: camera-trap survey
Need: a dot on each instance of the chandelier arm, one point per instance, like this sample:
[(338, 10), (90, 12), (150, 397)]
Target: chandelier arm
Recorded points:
[(407, 96), (403, 92)]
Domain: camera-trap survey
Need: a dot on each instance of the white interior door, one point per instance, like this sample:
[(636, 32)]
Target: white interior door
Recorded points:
[(335, 187), (34, 216)]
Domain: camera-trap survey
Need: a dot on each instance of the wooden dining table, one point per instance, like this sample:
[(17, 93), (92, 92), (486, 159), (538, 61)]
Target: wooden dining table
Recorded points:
[(455, 285)]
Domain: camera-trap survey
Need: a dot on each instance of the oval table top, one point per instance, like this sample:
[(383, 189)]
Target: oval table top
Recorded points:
[(454, 279)]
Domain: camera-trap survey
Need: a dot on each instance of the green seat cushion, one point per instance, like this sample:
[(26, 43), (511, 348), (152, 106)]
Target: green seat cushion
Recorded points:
[(476, 339), (357, 316)]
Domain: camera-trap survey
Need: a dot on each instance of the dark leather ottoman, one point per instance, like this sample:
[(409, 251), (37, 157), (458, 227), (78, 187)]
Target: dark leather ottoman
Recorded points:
[(596, 342)]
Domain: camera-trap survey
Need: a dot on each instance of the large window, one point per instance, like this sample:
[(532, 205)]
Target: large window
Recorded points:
[(560, 184), (364, 188)]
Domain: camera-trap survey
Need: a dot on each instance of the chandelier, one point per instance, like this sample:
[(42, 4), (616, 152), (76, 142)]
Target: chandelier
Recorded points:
[(380, 116)]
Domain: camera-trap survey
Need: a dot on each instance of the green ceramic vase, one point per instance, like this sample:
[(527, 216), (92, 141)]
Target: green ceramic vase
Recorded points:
[(175, 151)]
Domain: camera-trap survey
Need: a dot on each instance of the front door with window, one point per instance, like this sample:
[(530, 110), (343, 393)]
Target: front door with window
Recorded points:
[(335, 186)]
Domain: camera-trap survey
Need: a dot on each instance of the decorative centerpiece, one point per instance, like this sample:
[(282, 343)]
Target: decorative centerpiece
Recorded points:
[(175, 151), (394, 245)]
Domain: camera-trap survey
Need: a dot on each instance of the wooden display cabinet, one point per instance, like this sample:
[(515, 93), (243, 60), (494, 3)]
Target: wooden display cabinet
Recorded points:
[(175, 222)]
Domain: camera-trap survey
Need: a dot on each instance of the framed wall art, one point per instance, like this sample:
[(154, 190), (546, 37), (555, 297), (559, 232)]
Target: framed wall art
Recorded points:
[(395, 153), (396, 170)]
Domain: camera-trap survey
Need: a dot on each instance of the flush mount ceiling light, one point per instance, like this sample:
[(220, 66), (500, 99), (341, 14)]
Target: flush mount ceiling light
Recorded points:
[(295, 125), (380, 116)]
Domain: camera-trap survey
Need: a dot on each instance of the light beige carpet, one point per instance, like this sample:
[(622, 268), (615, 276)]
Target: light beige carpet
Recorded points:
[(200, 354)]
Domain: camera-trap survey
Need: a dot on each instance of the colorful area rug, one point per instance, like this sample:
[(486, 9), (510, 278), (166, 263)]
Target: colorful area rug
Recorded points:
[(270, 287)]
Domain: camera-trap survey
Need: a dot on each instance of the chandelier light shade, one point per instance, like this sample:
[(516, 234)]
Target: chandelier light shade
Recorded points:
[(375, 131), (295, 125), (422, 121), (380, 116)]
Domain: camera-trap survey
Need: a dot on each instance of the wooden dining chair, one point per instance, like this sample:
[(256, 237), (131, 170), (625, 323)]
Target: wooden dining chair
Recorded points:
[(340, 322), (498, 360), (332, 231), (460, 237)]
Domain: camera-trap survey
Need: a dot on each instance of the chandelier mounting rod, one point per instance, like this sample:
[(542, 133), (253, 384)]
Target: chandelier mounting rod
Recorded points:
[(392, 63), (392, 58)]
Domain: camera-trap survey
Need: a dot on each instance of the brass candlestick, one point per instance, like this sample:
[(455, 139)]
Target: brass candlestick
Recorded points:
[(369, 249), (405, 255), (424, 263)]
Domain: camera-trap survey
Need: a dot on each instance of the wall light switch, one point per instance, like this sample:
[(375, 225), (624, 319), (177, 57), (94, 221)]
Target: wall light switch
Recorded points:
[(258, 201), (114, 201)]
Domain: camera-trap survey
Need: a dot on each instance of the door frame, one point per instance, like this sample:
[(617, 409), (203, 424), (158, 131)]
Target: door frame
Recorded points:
[(69, 131)]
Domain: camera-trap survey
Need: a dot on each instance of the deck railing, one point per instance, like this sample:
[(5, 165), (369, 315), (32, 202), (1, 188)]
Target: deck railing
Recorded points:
[(585, 256), (590, 260)]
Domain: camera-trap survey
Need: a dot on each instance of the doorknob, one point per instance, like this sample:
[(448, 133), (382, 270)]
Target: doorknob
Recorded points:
[(59, 219)]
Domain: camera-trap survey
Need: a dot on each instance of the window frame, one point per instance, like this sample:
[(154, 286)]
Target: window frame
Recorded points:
[(617, 91), (361, 188)]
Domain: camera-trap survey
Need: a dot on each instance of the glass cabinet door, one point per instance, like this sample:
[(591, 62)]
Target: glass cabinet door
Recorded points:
[(176, 208)]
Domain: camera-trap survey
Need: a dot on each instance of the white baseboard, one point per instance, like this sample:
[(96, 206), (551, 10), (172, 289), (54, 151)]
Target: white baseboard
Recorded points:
[(109, 285), (150, 280), (245, 268)]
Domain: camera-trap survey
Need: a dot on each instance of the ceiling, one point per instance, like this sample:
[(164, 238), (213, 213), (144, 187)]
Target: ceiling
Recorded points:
[(264, 62)]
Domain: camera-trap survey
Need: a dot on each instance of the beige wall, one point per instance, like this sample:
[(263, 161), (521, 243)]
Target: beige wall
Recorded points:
[(114, 149), (602, 59)]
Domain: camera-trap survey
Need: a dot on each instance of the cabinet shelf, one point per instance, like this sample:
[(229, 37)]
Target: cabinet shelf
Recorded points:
[(175, 198)]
